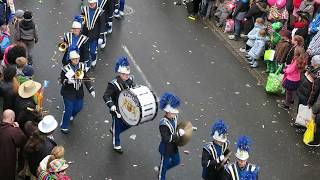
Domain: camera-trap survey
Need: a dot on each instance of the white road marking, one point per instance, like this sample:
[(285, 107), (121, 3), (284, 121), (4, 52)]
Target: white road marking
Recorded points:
[(124, 47)]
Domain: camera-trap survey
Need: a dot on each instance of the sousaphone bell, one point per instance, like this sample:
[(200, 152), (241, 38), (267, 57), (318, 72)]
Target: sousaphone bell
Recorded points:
[(62, 47), (188, 128)]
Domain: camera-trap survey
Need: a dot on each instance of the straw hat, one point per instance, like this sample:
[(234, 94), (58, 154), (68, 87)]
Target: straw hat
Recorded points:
[(28, 89)]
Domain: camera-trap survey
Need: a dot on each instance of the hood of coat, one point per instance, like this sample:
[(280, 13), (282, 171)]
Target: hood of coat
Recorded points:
[(26, 25)]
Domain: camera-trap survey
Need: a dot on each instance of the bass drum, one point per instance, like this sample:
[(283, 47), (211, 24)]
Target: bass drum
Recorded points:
[(137, 105)]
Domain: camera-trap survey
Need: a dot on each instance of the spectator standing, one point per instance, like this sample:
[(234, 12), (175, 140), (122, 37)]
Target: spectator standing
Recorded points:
[(257, 49), (57, 171), (292, 77), (257, 10), (27, 33), (9, 88), (238, 14), (11, 138), (282, 49), (297, 41)]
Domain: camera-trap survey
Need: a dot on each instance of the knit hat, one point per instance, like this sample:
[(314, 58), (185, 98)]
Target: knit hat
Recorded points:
[(19, 13), (27, 15), (58, 165), (28, 70)]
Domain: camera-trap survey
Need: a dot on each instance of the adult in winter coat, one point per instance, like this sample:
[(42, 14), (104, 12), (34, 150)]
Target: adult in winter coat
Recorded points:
[(238, 14), (314, 100), (307, 92), (28, 33), (257, 9), (11, 138), (9, 88), (314, 46), (37, 147)]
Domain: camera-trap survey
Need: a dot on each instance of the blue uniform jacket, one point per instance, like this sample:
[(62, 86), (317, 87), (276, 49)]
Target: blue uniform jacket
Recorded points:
[(234, 172), (169, 137)]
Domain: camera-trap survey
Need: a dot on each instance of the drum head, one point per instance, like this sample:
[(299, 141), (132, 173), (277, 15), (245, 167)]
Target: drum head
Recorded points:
[(130, 108)]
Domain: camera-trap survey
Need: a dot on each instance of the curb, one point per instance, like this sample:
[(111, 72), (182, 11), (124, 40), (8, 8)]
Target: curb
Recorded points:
[(256, 73)]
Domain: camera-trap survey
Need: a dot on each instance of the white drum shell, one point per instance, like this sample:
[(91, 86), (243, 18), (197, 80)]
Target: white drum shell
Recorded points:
[(144, 102)]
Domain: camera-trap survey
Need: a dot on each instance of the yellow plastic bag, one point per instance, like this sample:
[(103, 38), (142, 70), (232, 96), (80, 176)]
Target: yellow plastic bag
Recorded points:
[(309, 134)]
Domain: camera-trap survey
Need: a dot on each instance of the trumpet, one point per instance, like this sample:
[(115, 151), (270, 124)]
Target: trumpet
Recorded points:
[(62, 47)]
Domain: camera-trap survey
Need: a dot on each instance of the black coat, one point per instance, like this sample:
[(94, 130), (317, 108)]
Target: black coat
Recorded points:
[(68, 91), (21, 108), (112, 92), (168, 145), (9, 98), (98, 29), (34, 158), (240, 7)]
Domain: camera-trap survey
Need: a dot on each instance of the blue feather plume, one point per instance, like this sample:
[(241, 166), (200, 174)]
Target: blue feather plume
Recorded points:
[(121, 61), (244, 143), (169, 98), (219, 126), (78, 19)]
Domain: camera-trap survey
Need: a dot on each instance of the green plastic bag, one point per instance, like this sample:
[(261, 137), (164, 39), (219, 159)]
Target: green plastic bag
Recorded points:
[(269, 55), (274, 82)]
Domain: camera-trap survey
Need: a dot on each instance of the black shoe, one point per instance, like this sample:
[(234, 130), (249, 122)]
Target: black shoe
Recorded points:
[(118, 149), (314, 144), (284, 107)]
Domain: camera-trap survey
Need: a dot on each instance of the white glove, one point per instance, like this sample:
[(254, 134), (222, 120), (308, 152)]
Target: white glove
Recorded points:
[(71, 81), (100, 41), (221, 158), (113, 108), (181, 132), (93, 94)]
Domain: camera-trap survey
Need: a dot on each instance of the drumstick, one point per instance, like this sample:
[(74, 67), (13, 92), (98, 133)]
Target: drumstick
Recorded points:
[(118, 114)]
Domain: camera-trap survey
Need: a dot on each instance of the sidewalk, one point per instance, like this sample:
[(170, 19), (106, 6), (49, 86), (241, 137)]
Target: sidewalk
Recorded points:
[(258, 73)]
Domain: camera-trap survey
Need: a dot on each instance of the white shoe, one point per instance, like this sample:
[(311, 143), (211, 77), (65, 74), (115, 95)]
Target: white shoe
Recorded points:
[(116, 13), (254, 65), (242, 50), (121, 13), (94, 63), (103, 45), (232, 36), (71, 118), (109, 31)]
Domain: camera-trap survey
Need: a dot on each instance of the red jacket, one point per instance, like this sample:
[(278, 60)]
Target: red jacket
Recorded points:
[(296, 3)]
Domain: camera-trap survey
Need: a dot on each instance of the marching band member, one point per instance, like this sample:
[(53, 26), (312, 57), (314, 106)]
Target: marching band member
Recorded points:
[(73, 76), (169, 134), (103, 5), (214, 153), (119, 8), (76, 39), (242, 169), (110, 10), (94, 29), (121, 82)]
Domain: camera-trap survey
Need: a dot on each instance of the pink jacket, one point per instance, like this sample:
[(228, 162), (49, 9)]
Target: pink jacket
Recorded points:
[(292, 72)]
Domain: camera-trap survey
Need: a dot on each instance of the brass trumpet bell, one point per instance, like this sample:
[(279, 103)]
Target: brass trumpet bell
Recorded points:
[(62, 47)]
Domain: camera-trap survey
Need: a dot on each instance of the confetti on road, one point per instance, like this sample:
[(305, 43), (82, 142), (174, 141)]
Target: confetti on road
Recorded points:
[(248, 85), (168, 83), (186, 152), (133, 137), (237, 93), (194, 128), (134, 165), (106, 121)]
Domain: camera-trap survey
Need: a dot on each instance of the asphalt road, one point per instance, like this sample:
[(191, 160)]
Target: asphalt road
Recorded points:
[(174, 54)]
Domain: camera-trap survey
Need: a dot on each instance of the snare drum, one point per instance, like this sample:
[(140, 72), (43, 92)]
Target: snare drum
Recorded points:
[(137, 105)]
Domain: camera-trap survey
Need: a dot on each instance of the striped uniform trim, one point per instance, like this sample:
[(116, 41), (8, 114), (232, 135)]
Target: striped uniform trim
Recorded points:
[(210, 148), (167, 123), (161, 166), (90, 23), (116, 84), (102, 4), (68, 38), (233, 171)]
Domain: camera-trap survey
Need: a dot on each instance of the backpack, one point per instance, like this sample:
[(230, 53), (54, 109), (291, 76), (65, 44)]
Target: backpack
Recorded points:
[(4, 12)]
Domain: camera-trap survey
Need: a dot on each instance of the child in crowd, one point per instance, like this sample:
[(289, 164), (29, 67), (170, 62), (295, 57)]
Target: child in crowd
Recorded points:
[(24, 71), (4, 40), (281, 50), (257, 49), (297, 41), (56, 153), (292, 77), (253, 35), (275, 36)]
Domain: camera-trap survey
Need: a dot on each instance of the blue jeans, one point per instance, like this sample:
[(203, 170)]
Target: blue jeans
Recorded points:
[(237, 27), (168, 162), (93, 45), (71, 108), (118, 126)]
